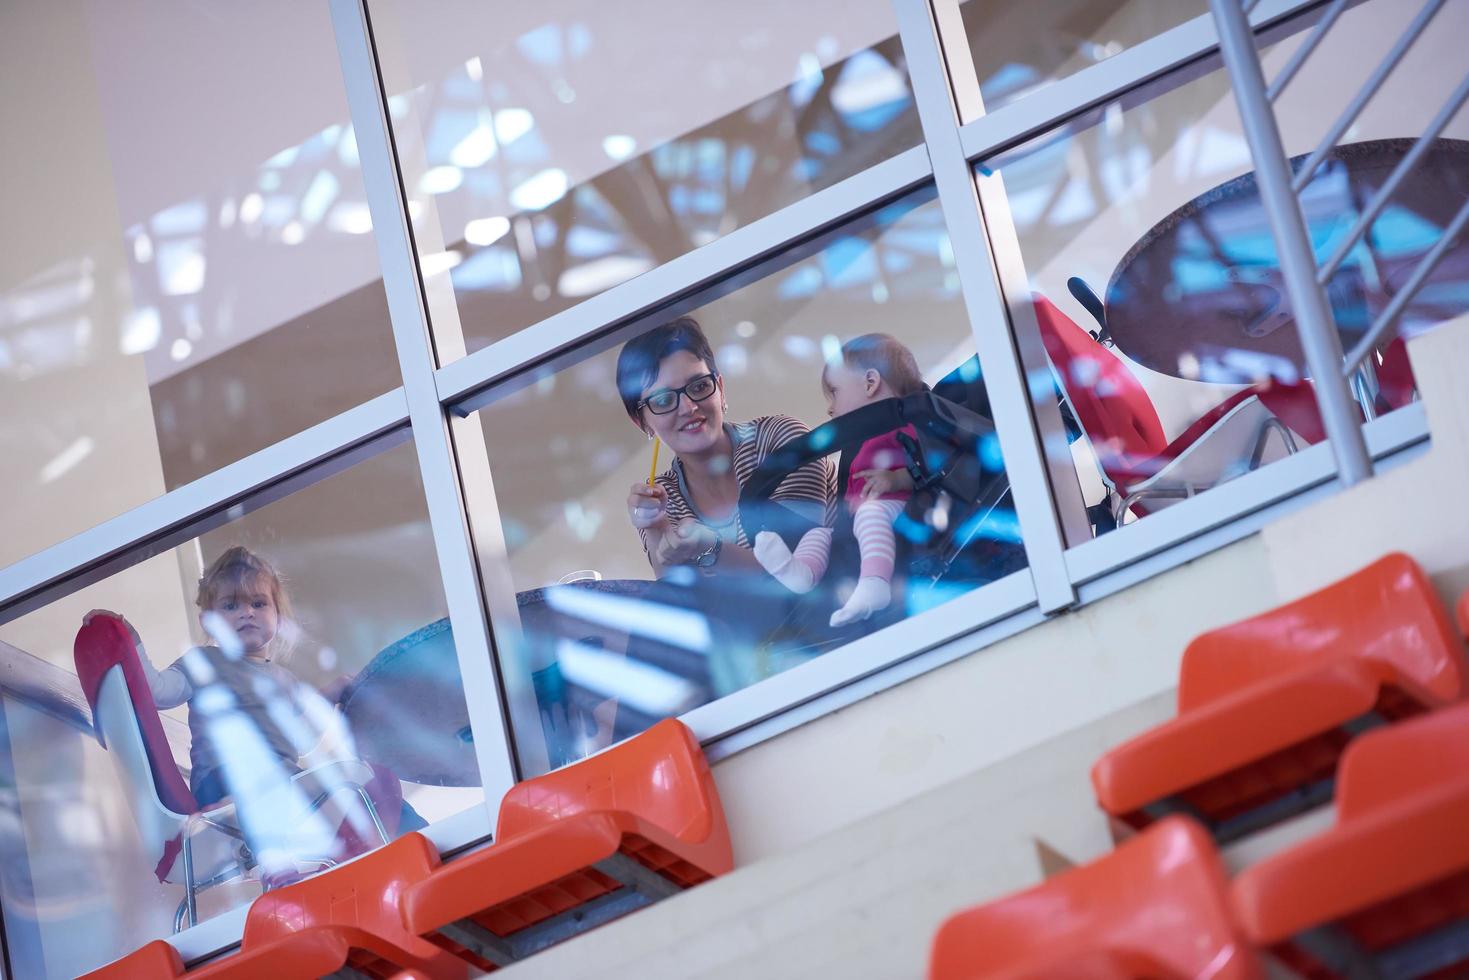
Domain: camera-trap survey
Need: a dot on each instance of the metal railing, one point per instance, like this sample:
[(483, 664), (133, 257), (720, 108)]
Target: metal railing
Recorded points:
[(1335, 373)]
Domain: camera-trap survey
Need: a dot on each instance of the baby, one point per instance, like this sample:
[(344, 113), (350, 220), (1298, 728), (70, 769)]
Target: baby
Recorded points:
[(871, 367)]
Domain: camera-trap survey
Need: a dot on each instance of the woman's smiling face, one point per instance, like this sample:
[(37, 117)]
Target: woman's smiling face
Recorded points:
[(693, 427)]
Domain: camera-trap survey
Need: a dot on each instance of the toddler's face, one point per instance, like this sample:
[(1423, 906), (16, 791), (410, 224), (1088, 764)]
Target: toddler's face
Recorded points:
[(252, 614), (846, 389)]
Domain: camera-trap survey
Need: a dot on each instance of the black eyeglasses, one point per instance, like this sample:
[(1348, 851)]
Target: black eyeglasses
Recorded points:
[(666, 400)]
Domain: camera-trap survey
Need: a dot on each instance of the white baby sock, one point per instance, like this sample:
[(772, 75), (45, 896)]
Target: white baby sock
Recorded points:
[(773, 555), (871, 595)]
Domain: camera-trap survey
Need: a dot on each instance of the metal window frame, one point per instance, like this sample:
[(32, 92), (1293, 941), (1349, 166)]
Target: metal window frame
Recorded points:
[(1107, 81), (434, 398), (432, 438), (1006, 366), (719, 261), (187, 511)]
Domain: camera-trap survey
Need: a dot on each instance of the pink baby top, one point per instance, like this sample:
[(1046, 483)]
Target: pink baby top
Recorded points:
[(882, 452)]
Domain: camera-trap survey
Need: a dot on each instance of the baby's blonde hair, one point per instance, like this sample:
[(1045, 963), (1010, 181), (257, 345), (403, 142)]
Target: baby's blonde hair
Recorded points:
[(886, 355), (240, 568)]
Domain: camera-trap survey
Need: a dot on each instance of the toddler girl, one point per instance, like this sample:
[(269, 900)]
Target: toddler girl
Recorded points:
[(242, 606), (251, 719), (871, 367)]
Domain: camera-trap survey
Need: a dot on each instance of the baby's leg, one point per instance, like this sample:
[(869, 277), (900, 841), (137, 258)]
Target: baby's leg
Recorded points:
[(797, 570), (872, 525)]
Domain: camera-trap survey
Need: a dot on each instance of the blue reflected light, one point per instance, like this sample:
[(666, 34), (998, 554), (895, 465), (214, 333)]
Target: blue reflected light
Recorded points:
[(542, 45), (990, 455), (995, 525)]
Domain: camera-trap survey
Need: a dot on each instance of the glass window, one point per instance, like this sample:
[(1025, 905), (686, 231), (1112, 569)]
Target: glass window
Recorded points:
[(555, 150), (758, 550), (1018, 48), (1154, 274), (187, 272), (256, 631)]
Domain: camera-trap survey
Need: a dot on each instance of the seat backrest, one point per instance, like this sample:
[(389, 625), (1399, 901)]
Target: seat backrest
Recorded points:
[(660, 775), (104, 644), (127, 724), (1386, 615), (1395, 762), (1294, 403), (361, 893), (965, 386), (1162, 895), (156, 960), (158, 824), (1110, 402)]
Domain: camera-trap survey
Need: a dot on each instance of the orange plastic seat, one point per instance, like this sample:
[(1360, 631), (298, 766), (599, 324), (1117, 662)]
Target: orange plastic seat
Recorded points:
[(1390, 881), (578, 847), (345, 918), (1156, 907), (1265, 706), (153, 961)]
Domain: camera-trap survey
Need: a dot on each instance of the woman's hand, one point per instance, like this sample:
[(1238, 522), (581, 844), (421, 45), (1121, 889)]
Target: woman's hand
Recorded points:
[(685, 541), (137, 640), (672, 544), (879, 483), (647, 507)]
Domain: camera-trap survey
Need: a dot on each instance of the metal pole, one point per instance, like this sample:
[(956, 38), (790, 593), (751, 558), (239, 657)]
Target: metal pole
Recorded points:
[(1314, 322), (1405, 295), (407, 309), (1364, 94), (1398, 175), (1304, 51)]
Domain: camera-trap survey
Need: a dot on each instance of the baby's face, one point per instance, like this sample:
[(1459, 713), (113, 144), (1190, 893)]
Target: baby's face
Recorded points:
[(846, 389), (252, 614)]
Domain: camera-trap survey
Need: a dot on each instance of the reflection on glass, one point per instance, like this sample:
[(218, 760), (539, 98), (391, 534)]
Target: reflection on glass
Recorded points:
[(187, 250), (1157, 288), (740, 551), (291, 670), (1018, 48), (568, 150)]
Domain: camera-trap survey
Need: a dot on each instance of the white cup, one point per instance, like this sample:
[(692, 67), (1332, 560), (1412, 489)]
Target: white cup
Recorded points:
[(580, 575)]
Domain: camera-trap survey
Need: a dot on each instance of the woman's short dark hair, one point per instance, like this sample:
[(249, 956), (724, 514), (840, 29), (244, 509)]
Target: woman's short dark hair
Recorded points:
[(637, 363)]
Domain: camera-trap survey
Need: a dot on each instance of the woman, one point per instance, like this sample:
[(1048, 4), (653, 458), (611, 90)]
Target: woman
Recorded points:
[(689, 518)]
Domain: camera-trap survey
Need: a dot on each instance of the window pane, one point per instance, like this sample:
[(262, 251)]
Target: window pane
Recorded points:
[(188, 272), (601, 650), (1021, 47), (355, 595), (555, 150), (1152, 205)]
